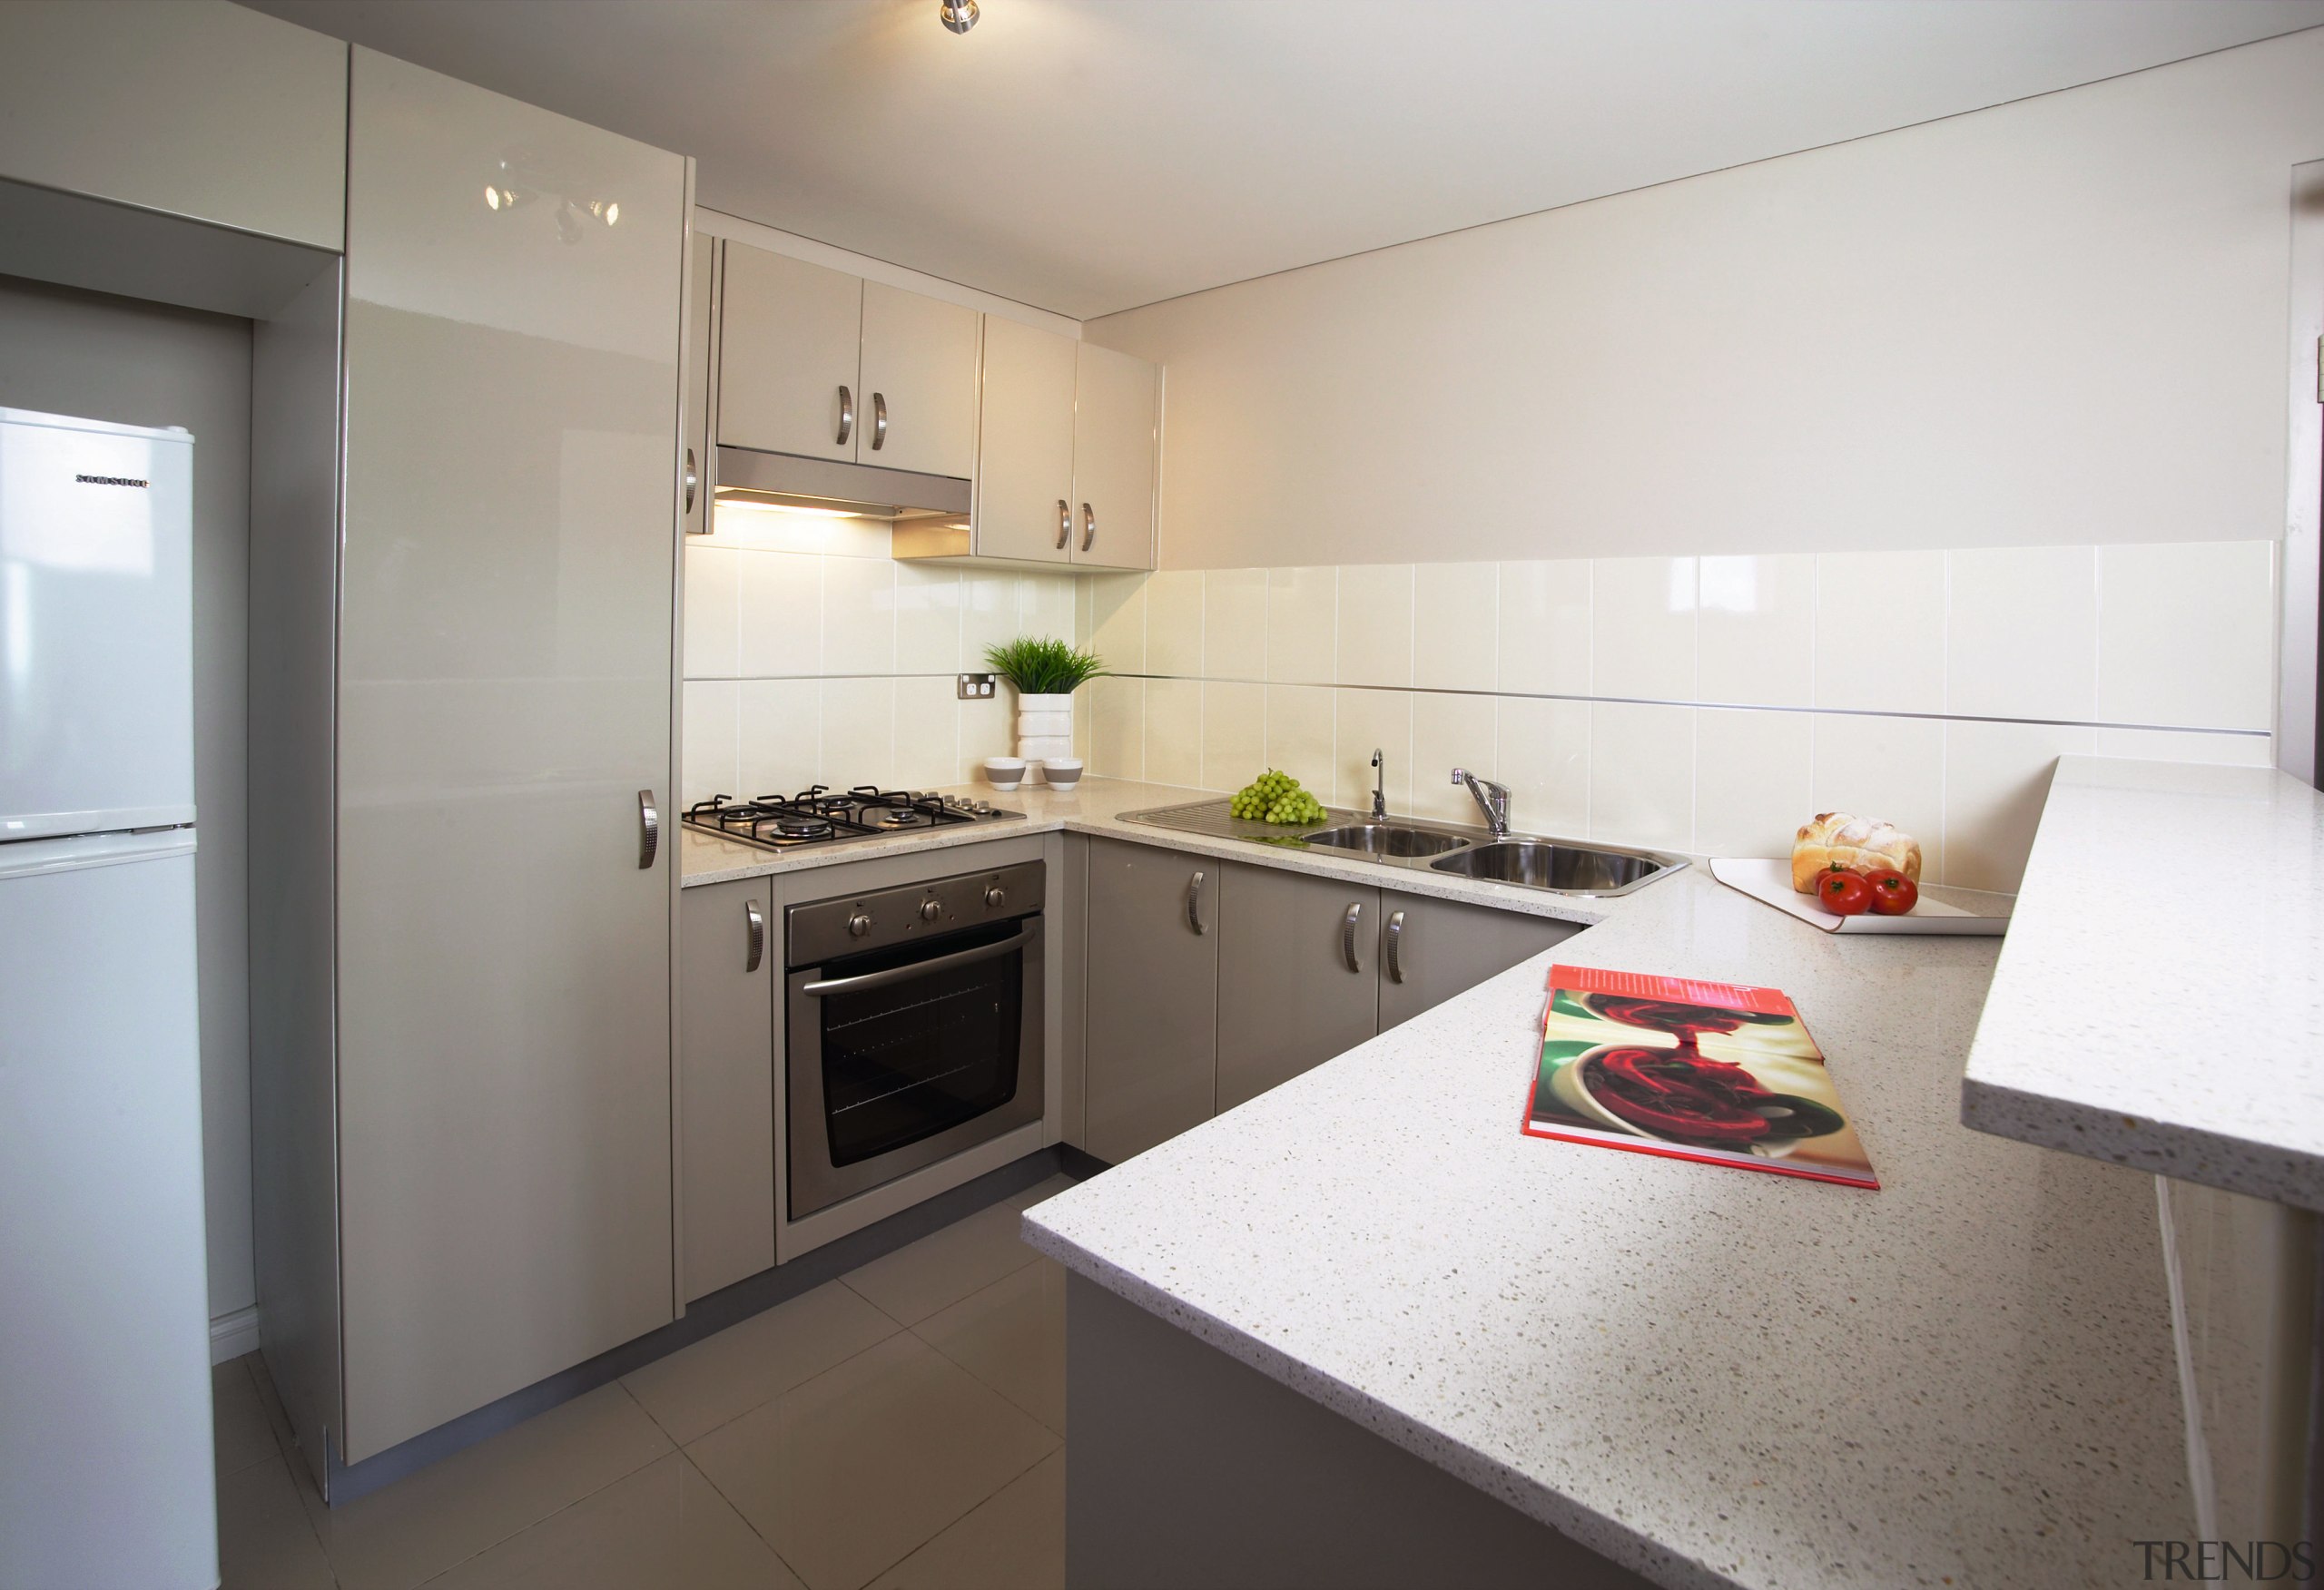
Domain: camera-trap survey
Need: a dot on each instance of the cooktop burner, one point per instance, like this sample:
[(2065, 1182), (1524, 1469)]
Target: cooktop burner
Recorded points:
[(821, 817)]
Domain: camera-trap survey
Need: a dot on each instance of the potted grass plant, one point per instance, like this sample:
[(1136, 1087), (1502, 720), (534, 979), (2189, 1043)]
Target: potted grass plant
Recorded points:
[(1046, 672)]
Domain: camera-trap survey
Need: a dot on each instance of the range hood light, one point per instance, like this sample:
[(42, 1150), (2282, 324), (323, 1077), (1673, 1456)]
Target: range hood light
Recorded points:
[(727, 499)]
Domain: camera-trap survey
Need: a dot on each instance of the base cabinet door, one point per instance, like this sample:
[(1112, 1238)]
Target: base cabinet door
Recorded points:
[(1152, 992), (726, 1082), (1297, 982), (1431, 950)]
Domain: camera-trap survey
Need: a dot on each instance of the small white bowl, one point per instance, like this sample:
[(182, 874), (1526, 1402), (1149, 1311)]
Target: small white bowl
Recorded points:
[(1004, 773), (1061, 772)]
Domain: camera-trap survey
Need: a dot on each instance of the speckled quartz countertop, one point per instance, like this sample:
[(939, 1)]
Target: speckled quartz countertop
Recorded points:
[(1096, 807), (1713, 1376), (2159, 1001)]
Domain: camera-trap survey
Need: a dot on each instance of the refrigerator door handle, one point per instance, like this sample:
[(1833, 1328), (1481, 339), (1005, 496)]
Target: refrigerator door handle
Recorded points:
[(649, 825)]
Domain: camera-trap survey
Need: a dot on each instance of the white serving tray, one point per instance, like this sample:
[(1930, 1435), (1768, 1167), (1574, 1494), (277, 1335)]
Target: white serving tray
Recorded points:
[(1955, 911)]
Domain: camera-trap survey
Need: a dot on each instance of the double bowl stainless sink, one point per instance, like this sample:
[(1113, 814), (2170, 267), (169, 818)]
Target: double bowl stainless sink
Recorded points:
[(1526, 860)]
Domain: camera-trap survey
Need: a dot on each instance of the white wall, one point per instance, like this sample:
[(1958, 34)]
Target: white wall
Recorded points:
[(1702, 704), (2061, 322), (65, 351)]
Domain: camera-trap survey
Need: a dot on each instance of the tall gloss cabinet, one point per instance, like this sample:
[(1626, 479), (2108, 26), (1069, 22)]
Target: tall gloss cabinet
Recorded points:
[(476, 1065)]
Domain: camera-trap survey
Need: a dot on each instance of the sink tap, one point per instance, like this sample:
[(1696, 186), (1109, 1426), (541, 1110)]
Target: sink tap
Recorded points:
[(1491, 798), (1379, 786)]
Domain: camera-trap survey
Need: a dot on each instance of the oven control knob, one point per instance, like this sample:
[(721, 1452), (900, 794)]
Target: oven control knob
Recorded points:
[(995, 898), (859, 925), (930, 909)]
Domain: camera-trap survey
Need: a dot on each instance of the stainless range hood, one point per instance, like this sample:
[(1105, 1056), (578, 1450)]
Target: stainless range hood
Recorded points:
[(786, 480)]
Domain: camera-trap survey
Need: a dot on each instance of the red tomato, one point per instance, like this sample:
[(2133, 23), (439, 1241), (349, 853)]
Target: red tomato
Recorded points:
[(1844, 894), (1893, 894)]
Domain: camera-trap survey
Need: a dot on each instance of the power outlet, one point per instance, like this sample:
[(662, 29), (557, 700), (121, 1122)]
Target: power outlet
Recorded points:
[(977, 687)]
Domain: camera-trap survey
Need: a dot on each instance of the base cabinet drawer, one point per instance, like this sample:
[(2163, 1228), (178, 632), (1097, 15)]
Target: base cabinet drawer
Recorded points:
[(1430, 950), (1152, 996), (728, 950), (1297, 982)]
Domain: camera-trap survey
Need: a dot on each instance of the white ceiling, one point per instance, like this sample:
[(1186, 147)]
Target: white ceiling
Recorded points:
[(1086, 157)]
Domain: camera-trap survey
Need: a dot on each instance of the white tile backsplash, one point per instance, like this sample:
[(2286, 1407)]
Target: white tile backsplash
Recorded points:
[(1880, 632), (1455, 628), (1235, 624), (2161, 651), (1755, 633), (1752, 775), (2021, 633), (1642, 628), (1545, 620), (2187, 634), (1366, 720), (1302, 617), (1375, 624)]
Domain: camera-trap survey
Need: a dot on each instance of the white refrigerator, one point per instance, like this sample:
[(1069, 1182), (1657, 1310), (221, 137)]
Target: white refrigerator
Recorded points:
[(105, 1469)]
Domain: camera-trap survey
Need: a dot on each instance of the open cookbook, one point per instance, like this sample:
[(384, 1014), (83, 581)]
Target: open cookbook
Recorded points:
[(1713, 1072)]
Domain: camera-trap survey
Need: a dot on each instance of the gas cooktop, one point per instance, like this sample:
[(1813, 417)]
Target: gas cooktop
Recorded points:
[(821, 817)]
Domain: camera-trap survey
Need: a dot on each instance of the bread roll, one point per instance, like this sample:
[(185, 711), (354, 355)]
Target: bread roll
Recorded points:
[(1859, 844)]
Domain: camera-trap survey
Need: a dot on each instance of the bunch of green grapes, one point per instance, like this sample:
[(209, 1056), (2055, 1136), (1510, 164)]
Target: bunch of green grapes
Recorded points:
[(1274, 797)]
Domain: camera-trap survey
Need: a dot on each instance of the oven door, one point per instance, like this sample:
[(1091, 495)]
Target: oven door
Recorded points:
[(902, 1058)]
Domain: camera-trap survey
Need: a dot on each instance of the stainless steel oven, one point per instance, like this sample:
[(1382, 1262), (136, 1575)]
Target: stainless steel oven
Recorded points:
[(913, 1017)]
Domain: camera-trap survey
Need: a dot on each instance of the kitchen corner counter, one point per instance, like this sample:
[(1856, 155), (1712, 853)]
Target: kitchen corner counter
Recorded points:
[(2160, 999), (1096, 807), (1711, 1377)]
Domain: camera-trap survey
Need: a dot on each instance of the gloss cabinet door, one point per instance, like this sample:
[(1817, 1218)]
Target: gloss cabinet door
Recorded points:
[(728, 948), (1117, 440), (789, 338), (1025, 444), (503, 725), (1297, 982), (1151, 995), (920, 383), (1430, 950)]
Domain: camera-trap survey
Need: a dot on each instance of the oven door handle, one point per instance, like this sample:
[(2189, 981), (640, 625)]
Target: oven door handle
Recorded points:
[(895, 974)]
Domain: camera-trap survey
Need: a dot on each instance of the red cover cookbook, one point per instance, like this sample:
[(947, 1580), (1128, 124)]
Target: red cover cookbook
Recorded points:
[(1712, 1072)]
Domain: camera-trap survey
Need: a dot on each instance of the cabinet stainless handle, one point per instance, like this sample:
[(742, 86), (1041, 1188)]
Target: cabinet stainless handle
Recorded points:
[(757, 927), (1089, 526), (878, 419), (1347, 935), (1194, 904), (1394, 937), (694, 479), (1064, 522), (649, 829), (905, 973), (846, 416)]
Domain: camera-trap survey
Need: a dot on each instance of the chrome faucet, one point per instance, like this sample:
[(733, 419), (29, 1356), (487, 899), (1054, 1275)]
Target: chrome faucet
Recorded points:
[(1491, 798), (1379, 786)]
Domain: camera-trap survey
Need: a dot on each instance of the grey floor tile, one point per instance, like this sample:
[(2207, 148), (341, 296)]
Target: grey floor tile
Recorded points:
[(943, 1267), (852, 1472), (1011, 1336), (265, 1541), (694, 1391), (1016, 1541), (664, 1527), (456, 1507), (240, 1434)]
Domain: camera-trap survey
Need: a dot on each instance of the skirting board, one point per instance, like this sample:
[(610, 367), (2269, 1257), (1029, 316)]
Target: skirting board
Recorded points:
[(232, 1336)]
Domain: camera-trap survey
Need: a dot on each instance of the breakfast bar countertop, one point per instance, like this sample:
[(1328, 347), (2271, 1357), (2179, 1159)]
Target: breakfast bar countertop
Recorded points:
[(2159, 1001), (1713, 1376)]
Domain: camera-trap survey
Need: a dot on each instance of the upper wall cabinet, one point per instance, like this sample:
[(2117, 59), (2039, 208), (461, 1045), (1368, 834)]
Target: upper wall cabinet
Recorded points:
[(1066, 457), (192, 108), (1116, 414), (823, 365)]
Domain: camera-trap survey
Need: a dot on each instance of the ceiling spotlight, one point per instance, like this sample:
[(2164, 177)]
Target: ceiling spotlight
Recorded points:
[(606, 209), (959, 15)]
